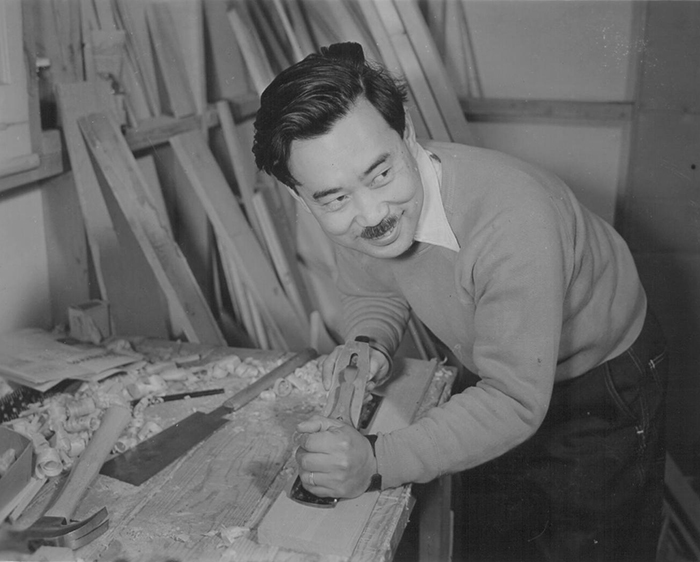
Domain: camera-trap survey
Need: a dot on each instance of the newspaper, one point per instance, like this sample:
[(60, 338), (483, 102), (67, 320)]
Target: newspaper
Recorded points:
[(41, 359)]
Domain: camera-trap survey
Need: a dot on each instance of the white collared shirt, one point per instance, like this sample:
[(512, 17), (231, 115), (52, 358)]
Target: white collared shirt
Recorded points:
[(433, 226)]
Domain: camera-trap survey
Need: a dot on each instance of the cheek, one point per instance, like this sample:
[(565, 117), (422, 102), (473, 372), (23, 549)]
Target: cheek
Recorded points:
[(335, 224)]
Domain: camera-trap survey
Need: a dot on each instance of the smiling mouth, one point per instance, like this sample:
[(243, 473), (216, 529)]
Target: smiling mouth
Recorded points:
[(378, 231)]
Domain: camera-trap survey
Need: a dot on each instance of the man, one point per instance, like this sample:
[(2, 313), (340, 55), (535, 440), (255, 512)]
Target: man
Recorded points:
[(561, 438)]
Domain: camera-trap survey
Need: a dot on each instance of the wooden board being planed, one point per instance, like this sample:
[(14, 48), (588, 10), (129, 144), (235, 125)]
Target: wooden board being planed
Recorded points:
[(335, 531)]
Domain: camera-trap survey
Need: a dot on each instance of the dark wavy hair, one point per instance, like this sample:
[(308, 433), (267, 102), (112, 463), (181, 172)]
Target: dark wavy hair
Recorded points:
[(308, 98)]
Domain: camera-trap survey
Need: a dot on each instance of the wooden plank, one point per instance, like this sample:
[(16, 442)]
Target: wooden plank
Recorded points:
[(235, 153), (289, 32), (253, 54), (158, 130), (434, 71), (268, 31), (155, 192), (131, 17), (285, 265), (336, 531), (237, 238), (412, 70), (170, 68), (300, 27), (226, 70), (504, 109), (124, 278), (66, 246), (50, 163), (187, 18), (189, 310), (391, 60)]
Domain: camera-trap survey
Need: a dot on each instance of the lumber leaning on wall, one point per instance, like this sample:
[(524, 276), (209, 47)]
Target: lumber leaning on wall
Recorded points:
[(188, 308), (237, 238), (123, 274)]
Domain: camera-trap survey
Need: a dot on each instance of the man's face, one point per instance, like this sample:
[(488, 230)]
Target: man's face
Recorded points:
[(361, 182)]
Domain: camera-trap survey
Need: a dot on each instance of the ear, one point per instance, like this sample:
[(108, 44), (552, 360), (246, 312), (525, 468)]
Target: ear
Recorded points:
[(409, 133), (297, 197)]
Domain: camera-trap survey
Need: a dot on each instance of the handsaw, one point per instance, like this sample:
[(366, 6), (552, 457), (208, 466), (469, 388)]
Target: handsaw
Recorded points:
[(149, 457), (345, 400)]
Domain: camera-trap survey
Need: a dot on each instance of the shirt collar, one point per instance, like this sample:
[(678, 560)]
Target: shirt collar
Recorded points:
[(433, 226)]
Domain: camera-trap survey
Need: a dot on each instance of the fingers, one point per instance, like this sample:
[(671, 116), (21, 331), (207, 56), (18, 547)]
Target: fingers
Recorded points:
[(318, 423)]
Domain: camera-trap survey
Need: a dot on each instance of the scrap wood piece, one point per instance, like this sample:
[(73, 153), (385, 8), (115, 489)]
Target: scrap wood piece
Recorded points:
[(189, 310), (434, 71), (123, 275), (237, 238), (170, 68), (336, 531)]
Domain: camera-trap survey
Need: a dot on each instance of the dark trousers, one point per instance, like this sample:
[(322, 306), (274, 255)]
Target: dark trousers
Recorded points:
[(588, 486)]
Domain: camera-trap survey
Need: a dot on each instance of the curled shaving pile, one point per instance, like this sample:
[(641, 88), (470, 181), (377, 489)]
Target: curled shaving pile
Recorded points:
[(61, 425)]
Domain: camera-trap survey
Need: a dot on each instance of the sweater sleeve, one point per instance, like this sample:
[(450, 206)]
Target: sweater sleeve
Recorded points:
[(516, 277), (372, 307)]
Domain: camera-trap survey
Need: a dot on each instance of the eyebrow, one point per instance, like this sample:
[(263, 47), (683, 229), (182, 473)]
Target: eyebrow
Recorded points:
[(330, 191)]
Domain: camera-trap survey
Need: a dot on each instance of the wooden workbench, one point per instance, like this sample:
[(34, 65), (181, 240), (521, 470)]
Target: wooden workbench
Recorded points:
[(206, 506)]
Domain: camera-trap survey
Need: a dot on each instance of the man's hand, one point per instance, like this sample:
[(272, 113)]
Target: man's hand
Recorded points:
[(335, 459), (379, 367)]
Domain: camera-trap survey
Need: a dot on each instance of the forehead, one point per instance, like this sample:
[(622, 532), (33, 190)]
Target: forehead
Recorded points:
[(344, 153)]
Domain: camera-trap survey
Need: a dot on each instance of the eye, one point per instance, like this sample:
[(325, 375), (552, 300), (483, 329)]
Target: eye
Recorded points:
[(335, 204), (381, 177)]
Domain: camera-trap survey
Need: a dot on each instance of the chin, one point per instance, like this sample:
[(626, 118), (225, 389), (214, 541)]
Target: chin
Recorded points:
[(393, 250)]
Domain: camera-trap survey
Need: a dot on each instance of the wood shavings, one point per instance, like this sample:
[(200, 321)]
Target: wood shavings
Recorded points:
[(229, 534), (83, 423), (80, 407), (48, 459), (282, 387)]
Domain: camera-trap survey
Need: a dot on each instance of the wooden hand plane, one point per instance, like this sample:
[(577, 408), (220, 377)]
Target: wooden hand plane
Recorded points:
[(345, 399)]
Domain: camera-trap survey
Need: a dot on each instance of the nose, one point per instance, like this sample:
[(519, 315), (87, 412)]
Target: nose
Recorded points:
[(370, 207)]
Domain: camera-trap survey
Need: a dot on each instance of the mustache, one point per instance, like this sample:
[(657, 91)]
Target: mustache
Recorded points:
[(378, 230)]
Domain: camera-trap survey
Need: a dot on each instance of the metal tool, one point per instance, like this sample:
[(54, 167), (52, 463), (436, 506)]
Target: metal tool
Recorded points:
[(55, 528), (155, 399), (149, 457), (345, 399)]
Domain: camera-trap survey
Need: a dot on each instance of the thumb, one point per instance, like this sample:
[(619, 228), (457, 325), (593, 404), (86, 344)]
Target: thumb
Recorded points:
[(318, 423)]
